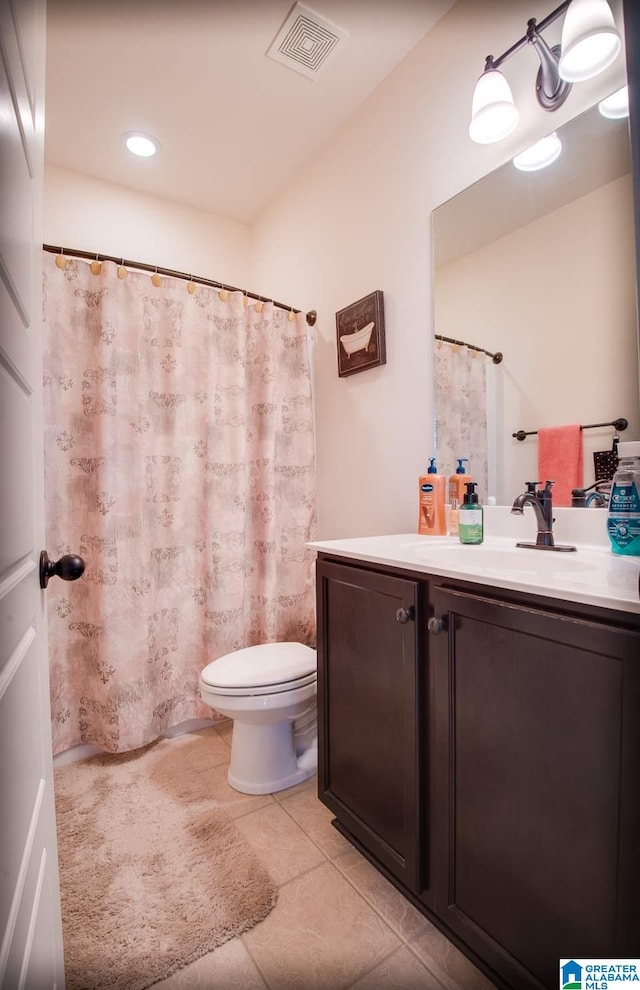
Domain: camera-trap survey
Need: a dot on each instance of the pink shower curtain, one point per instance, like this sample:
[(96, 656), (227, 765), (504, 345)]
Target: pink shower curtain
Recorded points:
[(180, 465)]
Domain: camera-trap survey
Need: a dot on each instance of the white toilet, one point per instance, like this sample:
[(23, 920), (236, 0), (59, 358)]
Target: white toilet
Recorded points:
[(270, 693)]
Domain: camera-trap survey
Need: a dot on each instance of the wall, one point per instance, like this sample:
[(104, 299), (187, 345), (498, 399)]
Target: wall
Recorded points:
[(92, 215), (358, 219), (575, 325)]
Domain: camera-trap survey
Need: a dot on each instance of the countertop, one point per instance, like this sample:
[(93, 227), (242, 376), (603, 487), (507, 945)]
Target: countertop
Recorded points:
[(591, 575)]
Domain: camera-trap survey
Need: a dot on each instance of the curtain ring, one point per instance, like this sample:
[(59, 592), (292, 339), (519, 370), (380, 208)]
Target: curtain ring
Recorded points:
[(156, 280), (258, 306), (191, 285), (245, 298), (122, 271), (223, 295), (291, 316), (96, 266), (61, 261)]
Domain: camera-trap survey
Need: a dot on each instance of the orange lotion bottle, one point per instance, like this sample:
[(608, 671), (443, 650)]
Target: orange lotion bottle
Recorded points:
[(458, 481), (432, 519)]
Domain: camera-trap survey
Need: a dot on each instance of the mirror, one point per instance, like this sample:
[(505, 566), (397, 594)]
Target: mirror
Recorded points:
[(540, 266)]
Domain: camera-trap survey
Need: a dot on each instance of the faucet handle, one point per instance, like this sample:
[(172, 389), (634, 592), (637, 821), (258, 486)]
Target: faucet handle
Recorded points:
[(531, 486)]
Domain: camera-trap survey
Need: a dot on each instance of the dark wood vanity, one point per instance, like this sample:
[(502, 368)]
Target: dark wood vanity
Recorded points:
[(481, 747)]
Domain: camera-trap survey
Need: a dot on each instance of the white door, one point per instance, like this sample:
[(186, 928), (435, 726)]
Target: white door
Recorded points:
[(30, 930)]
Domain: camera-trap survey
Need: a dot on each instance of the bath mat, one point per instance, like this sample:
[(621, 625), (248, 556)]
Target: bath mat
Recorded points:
[(152, 874)]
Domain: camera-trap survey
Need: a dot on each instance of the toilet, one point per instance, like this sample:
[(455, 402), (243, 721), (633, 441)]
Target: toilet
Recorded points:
[(270, 693)]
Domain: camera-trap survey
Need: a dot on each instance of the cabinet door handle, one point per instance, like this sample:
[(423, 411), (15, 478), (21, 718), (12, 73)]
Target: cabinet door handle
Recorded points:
[(404, 615), (436, 625)]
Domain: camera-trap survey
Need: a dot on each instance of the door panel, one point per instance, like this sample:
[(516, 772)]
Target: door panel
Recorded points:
[(30, 926)]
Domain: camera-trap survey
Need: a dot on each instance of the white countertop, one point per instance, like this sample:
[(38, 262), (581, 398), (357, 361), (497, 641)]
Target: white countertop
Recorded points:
[(591, 575)]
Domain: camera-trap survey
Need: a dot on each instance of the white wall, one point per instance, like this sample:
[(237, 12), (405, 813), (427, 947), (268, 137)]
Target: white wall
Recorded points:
[(358, 219), (583, 257), (92, 215)]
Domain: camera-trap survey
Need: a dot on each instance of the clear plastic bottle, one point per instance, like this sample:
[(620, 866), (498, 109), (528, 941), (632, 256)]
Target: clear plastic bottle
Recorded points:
[(623, 522)]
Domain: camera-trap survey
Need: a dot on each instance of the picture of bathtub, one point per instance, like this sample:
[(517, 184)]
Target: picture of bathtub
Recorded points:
[(358, 341), (360, 335)]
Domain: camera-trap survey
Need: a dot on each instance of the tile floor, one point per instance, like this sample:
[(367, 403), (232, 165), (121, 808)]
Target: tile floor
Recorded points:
[(337, 924)]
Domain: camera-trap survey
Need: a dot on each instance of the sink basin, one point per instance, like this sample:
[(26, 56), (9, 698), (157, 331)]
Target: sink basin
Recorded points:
[(501, 560)]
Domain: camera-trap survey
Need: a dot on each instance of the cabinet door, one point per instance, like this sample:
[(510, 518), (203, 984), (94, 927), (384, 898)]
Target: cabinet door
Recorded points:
[(536, 754), (367, 701)]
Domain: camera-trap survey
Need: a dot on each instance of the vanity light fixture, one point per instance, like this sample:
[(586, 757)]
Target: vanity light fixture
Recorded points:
[(540, 154), (616, 106), (143, 145), (590, 43)]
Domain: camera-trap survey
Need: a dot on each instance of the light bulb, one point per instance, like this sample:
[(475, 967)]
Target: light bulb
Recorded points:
[(539, 155), (615, 106), (493, 112), (590, 41)]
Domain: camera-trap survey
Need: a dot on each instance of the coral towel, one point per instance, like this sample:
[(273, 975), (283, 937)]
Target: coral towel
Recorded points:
[(560, 460)]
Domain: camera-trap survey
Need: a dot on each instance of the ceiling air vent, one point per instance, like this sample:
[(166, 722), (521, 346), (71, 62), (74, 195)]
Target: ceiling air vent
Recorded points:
[(306, 42)]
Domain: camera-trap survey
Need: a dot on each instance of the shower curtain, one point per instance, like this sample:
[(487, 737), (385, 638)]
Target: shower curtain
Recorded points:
[(461, 411), (180, 466)]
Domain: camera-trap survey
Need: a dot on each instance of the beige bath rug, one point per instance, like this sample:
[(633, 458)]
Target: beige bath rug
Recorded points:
[(152, 874)]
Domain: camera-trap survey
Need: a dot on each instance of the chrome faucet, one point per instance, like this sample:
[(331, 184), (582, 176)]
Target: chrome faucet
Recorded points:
[(540, 500)]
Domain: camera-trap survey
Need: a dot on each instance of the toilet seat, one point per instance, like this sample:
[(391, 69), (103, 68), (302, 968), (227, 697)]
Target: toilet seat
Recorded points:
[(269, 668)]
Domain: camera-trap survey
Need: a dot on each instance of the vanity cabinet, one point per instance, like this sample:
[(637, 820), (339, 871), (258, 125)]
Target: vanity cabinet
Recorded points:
[(536, 759), (367, 704), (486, 755)]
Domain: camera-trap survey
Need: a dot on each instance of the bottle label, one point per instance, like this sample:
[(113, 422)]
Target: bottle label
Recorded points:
[(426, 488), (470, 524), (470, 517), (623, 523)]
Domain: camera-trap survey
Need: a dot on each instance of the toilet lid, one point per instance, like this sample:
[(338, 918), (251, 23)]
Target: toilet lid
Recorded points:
[(262, 666)]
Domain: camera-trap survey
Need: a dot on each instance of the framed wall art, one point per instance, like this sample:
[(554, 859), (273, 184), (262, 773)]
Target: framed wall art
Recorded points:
[(360, 335)]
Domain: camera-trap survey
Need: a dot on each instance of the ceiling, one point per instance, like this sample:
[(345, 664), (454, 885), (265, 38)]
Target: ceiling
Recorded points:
[(235, 127)]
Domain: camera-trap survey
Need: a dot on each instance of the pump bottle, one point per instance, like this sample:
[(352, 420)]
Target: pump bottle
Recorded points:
[(457, 481), (432, 519), (470, 517)]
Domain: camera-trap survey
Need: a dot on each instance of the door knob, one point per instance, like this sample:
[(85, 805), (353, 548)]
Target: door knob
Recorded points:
[(436, 625), (404, 615), (69, 568)]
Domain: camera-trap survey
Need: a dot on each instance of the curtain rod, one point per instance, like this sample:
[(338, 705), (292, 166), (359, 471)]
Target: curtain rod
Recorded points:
[(496, 358), (618, 424), (311, 316)]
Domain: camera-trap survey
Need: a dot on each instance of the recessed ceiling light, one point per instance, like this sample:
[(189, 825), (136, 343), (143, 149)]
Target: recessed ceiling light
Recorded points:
[(616, 106), (141, 144)]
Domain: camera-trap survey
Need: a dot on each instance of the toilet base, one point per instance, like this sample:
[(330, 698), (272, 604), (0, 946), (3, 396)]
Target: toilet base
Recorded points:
[(263, 758)]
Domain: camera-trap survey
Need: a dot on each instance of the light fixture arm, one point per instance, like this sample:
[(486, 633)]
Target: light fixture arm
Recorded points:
[(551, 90)]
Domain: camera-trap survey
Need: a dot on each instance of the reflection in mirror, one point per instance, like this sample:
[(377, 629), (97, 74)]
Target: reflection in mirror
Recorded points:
[(541, 267)]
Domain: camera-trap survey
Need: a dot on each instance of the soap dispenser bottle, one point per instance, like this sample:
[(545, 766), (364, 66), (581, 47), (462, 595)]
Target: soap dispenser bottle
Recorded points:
[(432, 520), (470, 517), (458, 480)]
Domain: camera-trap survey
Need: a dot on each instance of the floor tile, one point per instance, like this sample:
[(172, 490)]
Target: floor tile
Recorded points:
[(229, 967), (281, 844), (310, 784), (447, 963), (312, 816), (225, 731), (234, 802), (321, 935), (400, 971), (405, 920)]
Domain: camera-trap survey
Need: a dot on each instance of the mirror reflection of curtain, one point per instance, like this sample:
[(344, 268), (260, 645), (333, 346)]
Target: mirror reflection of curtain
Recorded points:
[(180, 465), (461, 411)]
